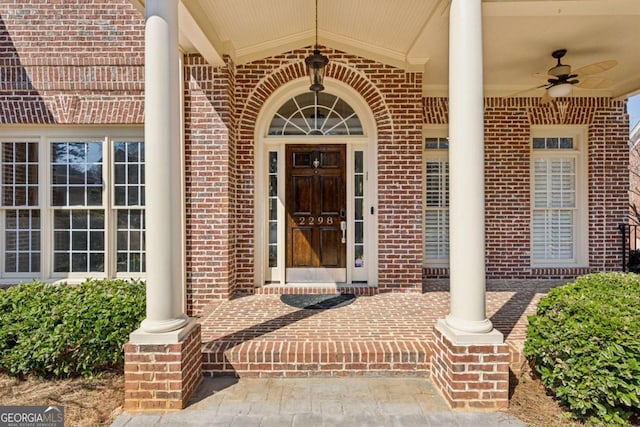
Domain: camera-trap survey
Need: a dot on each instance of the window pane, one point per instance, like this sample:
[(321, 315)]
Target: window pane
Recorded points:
[(555, 183), (553, 143), (554, 203), (19, 174), (96, 240), (129, 173), (315, 114), (130, 240), (78, 244), (61, 262), (436, 245), (553, 235), (22, 241), (273, 209), (437, 177), (358, 181), (119, 152), (76, 169), (436, 143), (436, 226)]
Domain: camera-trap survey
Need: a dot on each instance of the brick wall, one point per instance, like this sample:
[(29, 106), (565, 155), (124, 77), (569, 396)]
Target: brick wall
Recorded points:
[(470, 376), (209, 181), (394, 97), (507, 172), (80, 62), (162, 376)]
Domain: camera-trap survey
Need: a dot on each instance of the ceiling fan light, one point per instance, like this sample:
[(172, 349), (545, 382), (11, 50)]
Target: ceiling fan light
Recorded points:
[(560, 90)]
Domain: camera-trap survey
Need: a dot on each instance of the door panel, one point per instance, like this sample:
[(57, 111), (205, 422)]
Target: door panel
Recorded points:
[(315, 205), (301, 246), (329, 203), (330, 244), (302, 193)]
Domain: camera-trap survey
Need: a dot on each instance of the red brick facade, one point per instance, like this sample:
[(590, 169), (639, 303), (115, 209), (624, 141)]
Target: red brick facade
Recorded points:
[(508, 124), (72, 62), (82, 63), (471, 376), (162, 376)]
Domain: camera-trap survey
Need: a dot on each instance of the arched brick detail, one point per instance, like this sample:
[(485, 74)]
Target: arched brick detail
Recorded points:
[(297, 70), (398, 121)]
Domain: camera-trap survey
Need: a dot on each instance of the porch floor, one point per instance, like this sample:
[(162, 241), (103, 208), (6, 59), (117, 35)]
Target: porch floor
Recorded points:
[(384, 334)]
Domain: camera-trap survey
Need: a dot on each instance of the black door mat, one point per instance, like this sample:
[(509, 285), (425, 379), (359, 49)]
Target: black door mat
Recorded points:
[(318, 301)]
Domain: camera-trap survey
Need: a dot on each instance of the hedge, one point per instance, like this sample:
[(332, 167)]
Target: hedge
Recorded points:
[(62, 331), (584, 342)]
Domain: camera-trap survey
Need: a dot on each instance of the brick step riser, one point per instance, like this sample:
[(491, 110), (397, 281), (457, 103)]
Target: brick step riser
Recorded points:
[(300, 290), (425, 373), (250, 364)]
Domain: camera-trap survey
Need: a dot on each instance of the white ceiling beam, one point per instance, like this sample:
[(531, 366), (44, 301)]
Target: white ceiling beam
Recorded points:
[(274, 47), (440, 8), (199, 33)]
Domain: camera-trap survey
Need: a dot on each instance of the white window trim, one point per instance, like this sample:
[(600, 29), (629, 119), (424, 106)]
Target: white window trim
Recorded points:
[(431, 131), (265, 143), (45, 136), (581, 225)]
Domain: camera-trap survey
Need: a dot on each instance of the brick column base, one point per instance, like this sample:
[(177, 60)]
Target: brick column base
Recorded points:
[(162, 376), (470, 376)]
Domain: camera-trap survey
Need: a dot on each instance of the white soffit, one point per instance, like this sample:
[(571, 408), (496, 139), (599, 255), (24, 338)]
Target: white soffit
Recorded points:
[(519, 36)]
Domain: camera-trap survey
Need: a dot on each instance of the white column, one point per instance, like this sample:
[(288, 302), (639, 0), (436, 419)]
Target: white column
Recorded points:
[(163, 169), (467, 314)]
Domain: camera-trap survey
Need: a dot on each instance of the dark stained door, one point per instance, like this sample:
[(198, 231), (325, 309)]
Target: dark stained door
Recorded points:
[(315, 204)]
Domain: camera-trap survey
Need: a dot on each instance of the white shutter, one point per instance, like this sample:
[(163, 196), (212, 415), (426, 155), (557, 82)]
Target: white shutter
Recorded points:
[(436, 233), (554, 205)]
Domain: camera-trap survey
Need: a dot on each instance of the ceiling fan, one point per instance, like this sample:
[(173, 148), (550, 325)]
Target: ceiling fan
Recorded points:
[(561, 79)]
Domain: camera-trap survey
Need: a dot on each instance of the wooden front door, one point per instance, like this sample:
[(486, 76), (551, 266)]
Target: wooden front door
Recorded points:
[(316, 213)]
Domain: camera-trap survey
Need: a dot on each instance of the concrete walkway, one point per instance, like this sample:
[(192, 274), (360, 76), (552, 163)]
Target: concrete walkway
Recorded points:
[(309, 402)]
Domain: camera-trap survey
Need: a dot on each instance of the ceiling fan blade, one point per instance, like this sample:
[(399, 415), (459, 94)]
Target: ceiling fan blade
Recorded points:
[(598, 67), (594, 82), (543, 76), (545, 98), (526, 90)]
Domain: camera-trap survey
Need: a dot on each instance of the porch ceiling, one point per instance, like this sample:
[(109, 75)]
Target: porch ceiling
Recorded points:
[(519, 36)]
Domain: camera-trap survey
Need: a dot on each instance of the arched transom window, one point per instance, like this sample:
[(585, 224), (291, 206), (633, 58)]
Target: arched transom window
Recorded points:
[(313, 113)]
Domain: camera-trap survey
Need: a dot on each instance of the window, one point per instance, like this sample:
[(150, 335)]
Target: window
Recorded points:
[(78, 209), (557, 211), (436, 201), (72, 207), (358, 203), (315, 113), (273, 209), (20, 204), (129, 205)]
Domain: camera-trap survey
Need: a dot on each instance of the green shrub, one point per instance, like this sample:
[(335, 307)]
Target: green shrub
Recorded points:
[(584, 342), (62, 331)]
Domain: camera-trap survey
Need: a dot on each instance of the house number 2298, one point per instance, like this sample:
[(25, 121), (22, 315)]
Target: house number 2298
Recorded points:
[(313, 220)]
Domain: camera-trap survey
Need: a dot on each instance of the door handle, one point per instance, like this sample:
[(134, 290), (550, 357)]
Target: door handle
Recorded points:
[(343, 227)]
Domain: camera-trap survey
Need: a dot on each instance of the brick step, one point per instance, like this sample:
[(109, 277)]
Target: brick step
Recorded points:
[(266, 359), (328, 288)]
